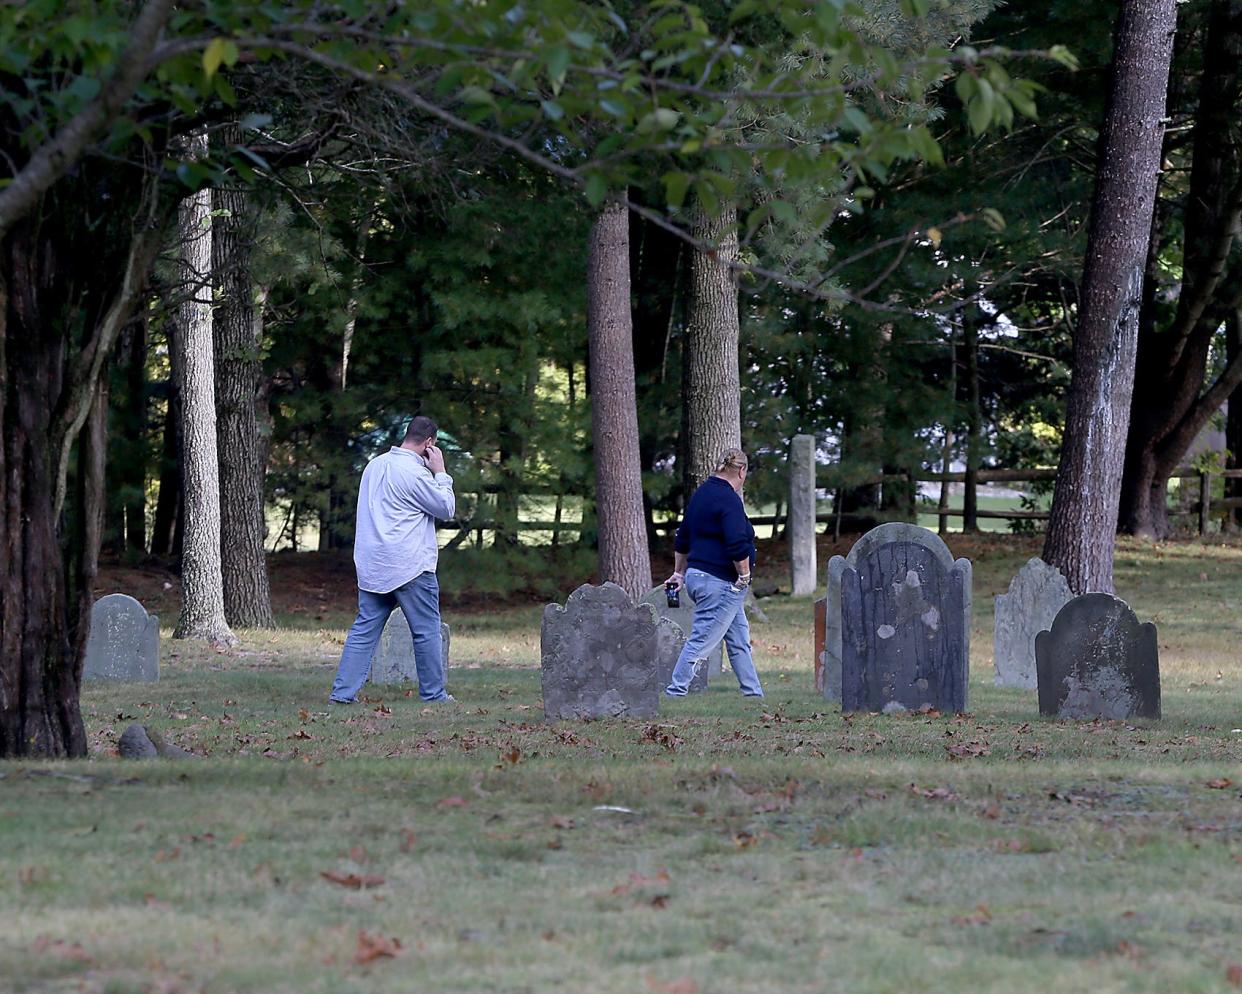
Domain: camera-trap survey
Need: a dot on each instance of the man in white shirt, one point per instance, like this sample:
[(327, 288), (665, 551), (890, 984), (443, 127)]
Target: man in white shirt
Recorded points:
[(403, 492)]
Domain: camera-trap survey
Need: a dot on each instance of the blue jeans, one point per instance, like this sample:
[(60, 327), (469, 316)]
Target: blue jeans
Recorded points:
[(718, 615), (419, 601)]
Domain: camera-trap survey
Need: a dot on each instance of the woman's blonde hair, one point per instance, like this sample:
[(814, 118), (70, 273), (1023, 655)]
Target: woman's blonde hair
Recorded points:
[(731, 458)]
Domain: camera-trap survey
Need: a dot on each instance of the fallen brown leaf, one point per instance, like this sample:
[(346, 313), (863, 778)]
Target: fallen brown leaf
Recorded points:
[(1233, 974), (560, 821), (373, 947), (1220, 783), (660, 901), (456, 801), (408, 839), (982, 915), (355, 881)]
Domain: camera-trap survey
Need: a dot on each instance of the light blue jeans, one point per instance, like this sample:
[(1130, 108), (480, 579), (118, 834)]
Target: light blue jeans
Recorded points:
[(718, 615), (419, 601)]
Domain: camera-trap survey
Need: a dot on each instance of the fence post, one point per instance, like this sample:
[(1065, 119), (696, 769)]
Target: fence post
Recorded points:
[(1205, 501)]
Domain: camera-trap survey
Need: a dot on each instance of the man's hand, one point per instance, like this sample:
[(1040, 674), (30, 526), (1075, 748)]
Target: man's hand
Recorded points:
[(434, 457), (676, 580)]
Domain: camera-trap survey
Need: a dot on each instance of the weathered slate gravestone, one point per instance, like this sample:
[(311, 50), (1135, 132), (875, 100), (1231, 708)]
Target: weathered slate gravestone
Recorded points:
[(1098, 661), (821, 612), (124, 643), (1035, 596), (897, 623), (683, 618), (393, 661), (801, 525), (603, 656)]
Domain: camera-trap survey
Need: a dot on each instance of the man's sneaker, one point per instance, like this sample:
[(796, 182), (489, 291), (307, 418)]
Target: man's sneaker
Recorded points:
[(446, 699), (333, 700)]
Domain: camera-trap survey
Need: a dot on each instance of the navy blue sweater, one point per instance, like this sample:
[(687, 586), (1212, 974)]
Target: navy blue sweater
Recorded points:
[(715, 531)]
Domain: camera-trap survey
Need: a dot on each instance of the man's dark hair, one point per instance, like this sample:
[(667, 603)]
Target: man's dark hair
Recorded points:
[(421, 428)]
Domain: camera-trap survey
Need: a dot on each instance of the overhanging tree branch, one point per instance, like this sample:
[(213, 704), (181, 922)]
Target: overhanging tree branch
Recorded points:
[(57, 156)]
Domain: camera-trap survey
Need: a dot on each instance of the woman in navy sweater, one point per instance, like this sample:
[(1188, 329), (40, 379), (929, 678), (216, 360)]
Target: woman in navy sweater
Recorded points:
[(714, 555)]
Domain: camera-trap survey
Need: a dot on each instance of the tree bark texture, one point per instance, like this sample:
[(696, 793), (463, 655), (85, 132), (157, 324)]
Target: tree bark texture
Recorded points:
[(238, 375), (623, 553), (166, 525), (1083, 520), (713, 396), (134, 478), (202, 585), (61, 311), (1233, 420), (974, 420), (1170, 405)]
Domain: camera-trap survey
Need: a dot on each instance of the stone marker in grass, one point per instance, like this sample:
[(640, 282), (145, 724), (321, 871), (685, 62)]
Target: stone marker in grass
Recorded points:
[(602, 655), (818, 654), (393, 661), (683, 618), (1098, 661), (1035, 596), (897, 622), (124, 643)]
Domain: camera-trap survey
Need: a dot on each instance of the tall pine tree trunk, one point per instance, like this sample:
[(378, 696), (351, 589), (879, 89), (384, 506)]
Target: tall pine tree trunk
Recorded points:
[(974, 419), (1084, 506), (238, 373), (1170, 405), (623, 553), (202, 584), (713, 394), (1233, 419)]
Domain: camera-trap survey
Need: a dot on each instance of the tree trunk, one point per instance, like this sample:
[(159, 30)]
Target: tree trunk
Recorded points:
[(1233, 420), (623, 550), (974, 420), (202, 585), (1170, 406), (165, 525), (238, 373), (135, 478), (1084, 506), (713, 397), (946, 451), (62, 309)]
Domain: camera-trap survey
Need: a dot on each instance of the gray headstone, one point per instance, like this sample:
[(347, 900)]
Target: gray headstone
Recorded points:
[(683, 618), (897, 622), (124, 643), (134, 743), (801, 525), (393, 661), (603, 656), (1098, 661), (1035, 596)]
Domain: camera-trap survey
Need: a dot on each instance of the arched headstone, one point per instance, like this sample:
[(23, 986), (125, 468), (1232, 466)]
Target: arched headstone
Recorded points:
[(124, 643), (602, 655), (393, 661), (897, 622), (1035, 596), (1098, 661)]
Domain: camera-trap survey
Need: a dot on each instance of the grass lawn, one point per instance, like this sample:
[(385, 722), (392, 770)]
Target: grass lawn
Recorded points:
[(728, 846)]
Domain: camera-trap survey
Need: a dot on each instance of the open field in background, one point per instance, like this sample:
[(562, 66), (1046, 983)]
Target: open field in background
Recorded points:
[(765, 846)]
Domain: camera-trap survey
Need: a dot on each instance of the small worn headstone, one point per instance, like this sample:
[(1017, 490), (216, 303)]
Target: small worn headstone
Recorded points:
[(1098, 661), (124, 643), (1035, 596), (604, 656), (683, 618), (801, 525), (821, 611), (140, 742), (897, 624), (134, 743), (393, 661)]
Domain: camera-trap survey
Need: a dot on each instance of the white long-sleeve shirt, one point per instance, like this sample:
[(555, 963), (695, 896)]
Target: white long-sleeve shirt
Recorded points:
[(399, 501)]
